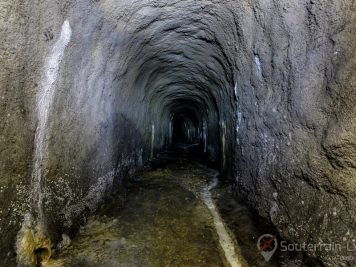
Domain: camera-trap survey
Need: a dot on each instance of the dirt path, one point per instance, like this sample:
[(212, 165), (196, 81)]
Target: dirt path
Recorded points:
[(169, 219)]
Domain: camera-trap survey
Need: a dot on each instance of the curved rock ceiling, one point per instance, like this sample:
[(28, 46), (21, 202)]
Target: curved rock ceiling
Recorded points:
[(267, 87), (178, 57)]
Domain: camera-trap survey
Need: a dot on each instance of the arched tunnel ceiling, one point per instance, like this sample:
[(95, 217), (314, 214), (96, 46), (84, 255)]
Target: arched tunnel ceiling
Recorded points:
[(175, 56), (180, 62), (269, 85)]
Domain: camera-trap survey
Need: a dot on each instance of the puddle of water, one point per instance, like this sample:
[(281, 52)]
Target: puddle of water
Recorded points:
[(164, 222)]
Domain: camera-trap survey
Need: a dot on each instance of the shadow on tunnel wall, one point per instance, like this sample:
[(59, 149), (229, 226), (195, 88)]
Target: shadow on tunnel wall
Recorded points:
[(103, 114), (100, 125), (71, 198)]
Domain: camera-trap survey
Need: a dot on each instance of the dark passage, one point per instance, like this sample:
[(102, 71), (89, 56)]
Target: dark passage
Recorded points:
[(184, 129), (163, 221), (129, 131)]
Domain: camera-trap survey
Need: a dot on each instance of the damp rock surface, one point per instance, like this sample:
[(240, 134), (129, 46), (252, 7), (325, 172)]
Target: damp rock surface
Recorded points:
[(267, 89), (164, 222)]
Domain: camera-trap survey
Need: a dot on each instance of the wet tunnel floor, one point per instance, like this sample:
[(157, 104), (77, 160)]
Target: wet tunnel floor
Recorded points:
[(164, 222)]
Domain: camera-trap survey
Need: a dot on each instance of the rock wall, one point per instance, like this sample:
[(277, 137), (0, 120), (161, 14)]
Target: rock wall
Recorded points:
[(15, 140), (70, 95), (268, 87), (296, 91)]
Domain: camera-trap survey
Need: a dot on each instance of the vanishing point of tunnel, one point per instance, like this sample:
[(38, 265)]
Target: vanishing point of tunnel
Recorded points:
[(178, 133)]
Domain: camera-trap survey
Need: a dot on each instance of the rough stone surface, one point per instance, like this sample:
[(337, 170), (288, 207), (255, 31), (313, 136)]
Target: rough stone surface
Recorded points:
[(268, 87)]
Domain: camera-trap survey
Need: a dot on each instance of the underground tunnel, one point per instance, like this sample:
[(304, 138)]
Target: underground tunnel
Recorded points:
[(178, 133)]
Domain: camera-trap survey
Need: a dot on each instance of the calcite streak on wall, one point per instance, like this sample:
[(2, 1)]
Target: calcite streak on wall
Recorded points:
[(44, 103), (258, 66), (293, 62), (225, 241), (152, 140)]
